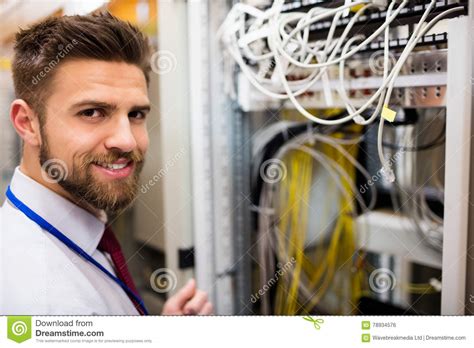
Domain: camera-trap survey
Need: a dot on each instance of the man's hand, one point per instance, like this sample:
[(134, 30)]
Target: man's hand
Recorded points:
[(188, 301)]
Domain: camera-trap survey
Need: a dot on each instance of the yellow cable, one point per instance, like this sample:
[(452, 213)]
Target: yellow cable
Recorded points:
[(294, 190)]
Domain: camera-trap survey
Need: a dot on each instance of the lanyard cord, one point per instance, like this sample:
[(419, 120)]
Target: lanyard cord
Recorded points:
[(70, 244)]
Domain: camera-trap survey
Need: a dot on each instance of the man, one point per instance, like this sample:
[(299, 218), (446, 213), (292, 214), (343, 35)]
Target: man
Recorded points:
[(81, 107)]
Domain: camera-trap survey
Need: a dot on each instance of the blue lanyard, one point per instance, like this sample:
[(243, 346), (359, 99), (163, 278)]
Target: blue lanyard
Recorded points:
[(45, 225)]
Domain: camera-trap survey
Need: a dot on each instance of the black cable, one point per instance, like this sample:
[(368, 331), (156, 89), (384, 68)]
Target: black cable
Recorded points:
[(439, 140)]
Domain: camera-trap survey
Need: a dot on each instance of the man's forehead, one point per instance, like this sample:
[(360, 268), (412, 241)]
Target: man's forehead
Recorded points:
[(108, 82), (79, 75)]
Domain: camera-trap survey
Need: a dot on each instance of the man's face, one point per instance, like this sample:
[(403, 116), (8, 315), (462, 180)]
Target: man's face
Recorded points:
[(95, 126)]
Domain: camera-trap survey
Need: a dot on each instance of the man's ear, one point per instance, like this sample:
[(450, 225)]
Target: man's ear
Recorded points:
[(26, 122)]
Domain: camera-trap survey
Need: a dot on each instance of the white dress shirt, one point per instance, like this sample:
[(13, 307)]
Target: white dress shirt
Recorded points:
[(39, 275)]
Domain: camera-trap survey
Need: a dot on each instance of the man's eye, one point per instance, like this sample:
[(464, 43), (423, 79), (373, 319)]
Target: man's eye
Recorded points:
[(137, 115), (91, 113)]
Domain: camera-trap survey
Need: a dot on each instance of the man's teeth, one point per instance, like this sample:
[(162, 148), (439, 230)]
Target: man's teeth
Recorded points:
[(113, 166)]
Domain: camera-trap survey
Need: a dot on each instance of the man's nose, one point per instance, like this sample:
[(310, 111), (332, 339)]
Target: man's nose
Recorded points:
[(121, 136)]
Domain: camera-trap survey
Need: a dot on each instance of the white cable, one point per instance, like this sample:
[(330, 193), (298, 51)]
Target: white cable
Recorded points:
[(342, 88), (386, 65), (234, 51), (376, 33), (315, 75), (418, 33), (385, 83)]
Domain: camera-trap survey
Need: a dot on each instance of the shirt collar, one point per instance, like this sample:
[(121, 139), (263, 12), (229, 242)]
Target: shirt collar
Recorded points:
[(76, 223)]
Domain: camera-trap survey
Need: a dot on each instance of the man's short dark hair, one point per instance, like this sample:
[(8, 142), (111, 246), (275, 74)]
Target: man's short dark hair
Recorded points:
[(40, 49)]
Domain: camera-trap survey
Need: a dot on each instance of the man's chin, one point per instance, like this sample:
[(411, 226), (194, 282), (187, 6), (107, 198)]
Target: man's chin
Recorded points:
[(112, 197), (114, 205)]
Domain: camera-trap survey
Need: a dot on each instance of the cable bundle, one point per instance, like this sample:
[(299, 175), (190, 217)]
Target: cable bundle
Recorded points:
[(269, 46), (284, 210)]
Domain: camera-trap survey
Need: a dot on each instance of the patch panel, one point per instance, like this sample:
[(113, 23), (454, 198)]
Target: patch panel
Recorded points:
[(422, 83)]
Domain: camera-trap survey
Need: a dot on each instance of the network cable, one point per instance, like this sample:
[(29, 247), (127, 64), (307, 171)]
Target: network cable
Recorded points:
[(282, 42)]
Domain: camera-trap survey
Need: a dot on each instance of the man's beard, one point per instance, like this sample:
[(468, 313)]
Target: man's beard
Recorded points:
[(113, 196)]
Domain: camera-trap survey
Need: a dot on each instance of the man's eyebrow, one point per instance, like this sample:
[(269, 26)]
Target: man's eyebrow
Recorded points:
[(107, 106), (144, 107), (93, 104)]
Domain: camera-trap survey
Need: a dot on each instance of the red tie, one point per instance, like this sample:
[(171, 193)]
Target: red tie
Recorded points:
[(110, 245)]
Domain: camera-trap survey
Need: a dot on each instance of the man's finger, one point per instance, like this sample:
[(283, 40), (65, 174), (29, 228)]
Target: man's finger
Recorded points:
[(208, 309), (195, 305), (184, 294)]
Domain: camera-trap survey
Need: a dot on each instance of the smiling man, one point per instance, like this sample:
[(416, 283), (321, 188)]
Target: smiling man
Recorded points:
[(81, 85)]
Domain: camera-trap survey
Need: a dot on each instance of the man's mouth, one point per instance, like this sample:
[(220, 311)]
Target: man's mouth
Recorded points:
[(119, 169), (113, 166)]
